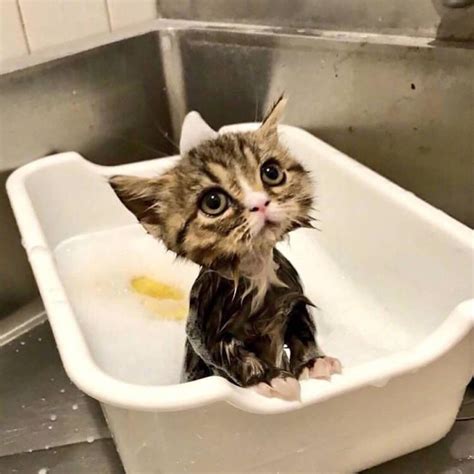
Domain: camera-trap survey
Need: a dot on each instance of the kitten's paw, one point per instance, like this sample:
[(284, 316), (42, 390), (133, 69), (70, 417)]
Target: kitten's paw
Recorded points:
[(323, 368), (287, 388)]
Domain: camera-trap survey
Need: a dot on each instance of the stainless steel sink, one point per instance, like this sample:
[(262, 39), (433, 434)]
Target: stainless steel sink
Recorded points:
[(395, 96)]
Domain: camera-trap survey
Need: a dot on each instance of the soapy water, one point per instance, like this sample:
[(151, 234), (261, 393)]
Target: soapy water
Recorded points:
[(125, 336), (129, 341), (352, 325)]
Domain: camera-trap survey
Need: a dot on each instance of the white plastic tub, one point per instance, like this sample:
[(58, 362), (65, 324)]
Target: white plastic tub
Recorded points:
[(393, 278)]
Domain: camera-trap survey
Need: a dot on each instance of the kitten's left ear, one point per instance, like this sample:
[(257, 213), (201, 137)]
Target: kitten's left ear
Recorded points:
[(139, 196), (269, 127), (194, 132)]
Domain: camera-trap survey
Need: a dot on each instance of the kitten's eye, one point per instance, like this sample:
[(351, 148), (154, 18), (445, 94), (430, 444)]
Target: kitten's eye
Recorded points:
[(271, 173), (214, 202)]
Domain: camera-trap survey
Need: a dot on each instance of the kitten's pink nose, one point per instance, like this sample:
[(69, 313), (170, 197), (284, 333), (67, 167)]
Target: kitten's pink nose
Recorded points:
[(261, 207), (257, 202)]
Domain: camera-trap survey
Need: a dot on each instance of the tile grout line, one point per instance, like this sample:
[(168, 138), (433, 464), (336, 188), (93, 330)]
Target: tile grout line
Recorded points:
[(107, 13), (23, 26)]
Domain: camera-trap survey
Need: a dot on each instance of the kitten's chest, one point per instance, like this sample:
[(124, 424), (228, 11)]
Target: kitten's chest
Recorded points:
[(262, 331), (267, 322)]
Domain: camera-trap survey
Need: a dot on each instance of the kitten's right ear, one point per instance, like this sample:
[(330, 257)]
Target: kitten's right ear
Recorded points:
[(139, 196), (269, 128)]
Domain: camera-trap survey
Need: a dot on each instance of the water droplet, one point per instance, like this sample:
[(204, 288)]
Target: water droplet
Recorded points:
[(46, 447), (52, 379), (62, 390), (90, 439), (43, 399), (17, 350), (22, 343), (75, 406), (53, 417), (380, 382), (39, 339), (43, 470), (76, 430), (50, 427), (30, 450), (23, 406)]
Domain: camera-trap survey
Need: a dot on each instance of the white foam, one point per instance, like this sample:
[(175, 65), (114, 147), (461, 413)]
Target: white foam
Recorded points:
[(129, 342), (352, 325), (126, 339)]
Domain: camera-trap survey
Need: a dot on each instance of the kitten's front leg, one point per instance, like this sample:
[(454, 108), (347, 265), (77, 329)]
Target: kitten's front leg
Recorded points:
[(194, 367), (306, 359), (229, 357)]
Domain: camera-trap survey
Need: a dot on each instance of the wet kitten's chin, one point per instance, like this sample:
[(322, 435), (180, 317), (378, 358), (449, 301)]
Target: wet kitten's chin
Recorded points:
[(270, 233)]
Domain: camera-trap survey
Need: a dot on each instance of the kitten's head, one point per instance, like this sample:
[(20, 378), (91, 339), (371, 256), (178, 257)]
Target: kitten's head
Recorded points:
[(230, 195)]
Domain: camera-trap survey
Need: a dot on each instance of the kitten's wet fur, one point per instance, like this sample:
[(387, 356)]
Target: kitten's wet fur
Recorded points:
[(224, 206)]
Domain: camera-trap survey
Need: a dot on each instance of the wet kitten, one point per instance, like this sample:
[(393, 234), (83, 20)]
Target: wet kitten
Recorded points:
[(224, 206)]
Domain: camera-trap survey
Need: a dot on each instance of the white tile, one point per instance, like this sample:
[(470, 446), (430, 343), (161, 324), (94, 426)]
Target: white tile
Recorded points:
[(51, 22), (128, 12), (12, 37)]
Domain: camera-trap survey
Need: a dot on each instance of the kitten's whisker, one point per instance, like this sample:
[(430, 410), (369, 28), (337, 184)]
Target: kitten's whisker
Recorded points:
[(151, 206), (165, 136), (144, 145), (312, 218), (256, 106)]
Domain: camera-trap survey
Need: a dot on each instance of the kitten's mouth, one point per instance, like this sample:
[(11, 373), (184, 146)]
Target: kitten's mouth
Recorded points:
[(268, 224), (265, 228), (269, 229)]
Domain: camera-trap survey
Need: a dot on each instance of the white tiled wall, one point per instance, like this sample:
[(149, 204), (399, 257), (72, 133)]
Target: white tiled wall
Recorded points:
[(127, 12), (12, 35), (30, 25)]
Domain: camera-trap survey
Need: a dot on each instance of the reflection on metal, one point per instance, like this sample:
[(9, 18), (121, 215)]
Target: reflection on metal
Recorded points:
[(174, 82), (458, 3), (21, 321), (428, 18)]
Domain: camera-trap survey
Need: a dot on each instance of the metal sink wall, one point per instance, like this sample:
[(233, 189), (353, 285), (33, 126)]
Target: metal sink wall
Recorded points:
[(401, 105)]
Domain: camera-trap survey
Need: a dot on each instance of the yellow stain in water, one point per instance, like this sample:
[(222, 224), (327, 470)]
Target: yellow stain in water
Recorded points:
[(150, 287), (165, 301), (167, 309)]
